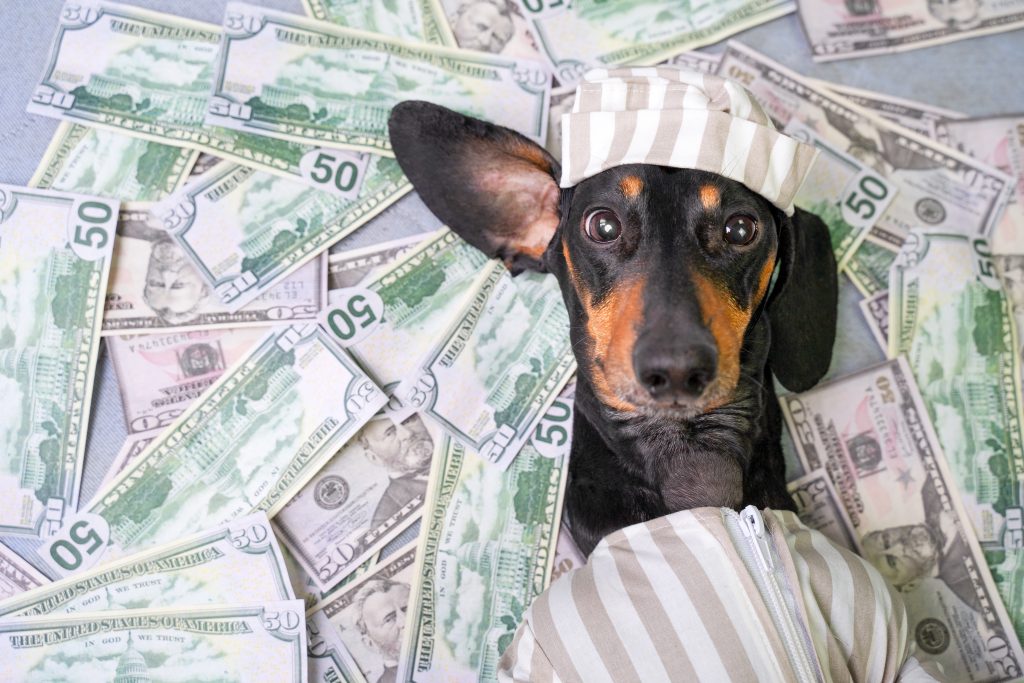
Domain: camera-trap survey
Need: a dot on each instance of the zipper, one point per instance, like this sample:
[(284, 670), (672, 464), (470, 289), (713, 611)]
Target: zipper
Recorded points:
[(755, 548)]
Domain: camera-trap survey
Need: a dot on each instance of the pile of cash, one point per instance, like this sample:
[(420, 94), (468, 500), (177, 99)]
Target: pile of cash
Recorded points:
[(348, 430)]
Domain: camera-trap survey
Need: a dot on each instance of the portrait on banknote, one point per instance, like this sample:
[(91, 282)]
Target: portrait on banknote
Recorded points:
[(483, 24), (404, 450)]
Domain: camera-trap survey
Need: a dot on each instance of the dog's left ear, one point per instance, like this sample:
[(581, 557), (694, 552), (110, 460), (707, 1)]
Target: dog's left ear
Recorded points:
[(495, 188), (803, 303)]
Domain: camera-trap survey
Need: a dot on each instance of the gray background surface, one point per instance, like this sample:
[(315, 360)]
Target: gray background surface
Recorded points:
[(977, 77)]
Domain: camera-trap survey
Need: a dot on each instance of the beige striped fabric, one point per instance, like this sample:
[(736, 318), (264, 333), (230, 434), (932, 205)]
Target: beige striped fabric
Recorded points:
[(669, 116), (674, 600)]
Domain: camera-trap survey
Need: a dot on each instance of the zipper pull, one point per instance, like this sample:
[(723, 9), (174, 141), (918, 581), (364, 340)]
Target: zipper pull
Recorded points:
[(753, 528)]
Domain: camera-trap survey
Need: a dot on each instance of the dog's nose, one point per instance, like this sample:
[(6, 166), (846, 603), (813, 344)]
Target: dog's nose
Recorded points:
[(674, 374)]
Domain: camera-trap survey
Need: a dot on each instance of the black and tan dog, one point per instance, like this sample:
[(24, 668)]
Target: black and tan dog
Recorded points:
[(676, 324)]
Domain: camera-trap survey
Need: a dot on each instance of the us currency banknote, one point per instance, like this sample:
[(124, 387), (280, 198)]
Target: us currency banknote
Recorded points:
[(845, 29), (149, 75), (495, 26), (263, 642), (319, 84), (155, 288), (243, 230), (819, 506), (949, 314), (561, 102), (407, 217), (249, 443), (487, 549), (487, 388), (102, 162), (349, 268), (237, 562), (160, 375), (305, 587), (204, 162), (17, 575), (875, 309), (54, 263), (390, 321), (370, 490), (847, 194), (369, 615), (577, 36), (937, 186), (329, 659), (567, 555), (871, 432), (995, 141), (415, 20), (917, 116), (696, 61), (134, 446)]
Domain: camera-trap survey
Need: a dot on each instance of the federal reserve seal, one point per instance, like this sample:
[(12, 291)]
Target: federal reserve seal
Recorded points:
[(331, 492), (930, 211), (932, 636)]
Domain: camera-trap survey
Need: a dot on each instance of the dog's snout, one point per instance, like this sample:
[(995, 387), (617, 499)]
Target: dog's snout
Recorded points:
[(676, 372)]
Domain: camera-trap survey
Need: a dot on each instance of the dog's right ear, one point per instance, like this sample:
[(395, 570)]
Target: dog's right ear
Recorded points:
[(495, 188)]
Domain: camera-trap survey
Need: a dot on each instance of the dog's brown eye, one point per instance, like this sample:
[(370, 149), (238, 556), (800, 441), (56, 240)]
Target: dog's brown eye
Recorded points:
[(603, 226), (740, 229)]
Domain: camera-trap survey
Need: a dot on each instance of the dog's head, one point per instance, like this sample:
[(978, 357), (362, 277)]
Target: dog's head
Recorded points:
[(664, 271)]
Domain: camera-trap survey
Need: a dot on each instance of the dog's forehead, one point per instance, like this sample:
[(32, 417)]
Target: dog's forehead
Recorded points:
[(641, 183)]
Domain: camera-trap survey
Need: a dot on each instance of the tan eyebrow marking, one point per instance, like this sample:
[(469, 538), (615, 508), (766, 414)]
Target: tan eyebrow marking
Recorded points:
[(709, 197), (631, 186)]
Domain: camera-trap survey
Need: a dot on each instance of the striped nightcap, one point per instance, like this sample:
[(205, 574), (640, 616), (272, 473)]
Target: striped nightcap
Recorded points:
[(668, 116)]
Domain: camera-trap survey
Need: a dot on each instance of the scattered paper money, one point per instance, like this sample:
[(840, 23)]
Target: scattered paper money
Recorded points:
[(349, 268), (876, 312), (244, 230), (329, 659), (487, 388), (160, 375), (495, 26), (263, 643), (54, 263), (936, 186), (149, 75), (237, 562), (416, 20), (391, 320), (485, 531), (995, 141), (871, 432), (567, 555), (917, 116), (319, 84), (133, 447), (575, 37), (370, 616), (249, 443), (819, 506), (847, 194), (17, 575), (368, 493), (155, 288), (844, 29), (949, 315), (102, 162)]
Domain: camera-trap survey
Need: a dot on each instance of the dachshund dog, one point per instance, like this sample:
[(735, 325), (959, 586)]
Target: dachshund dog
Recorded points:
[(685, 291)]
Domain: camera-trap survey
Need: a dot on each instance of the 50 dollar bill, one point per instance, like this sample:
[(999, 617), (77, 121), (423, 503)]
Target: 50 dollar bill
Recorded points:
[(249, 443), (55, 254)]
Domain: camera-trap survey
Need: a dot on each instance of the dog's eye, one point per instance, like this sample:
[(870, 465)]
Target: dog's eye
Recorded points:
[(602, 226), (739, 230)]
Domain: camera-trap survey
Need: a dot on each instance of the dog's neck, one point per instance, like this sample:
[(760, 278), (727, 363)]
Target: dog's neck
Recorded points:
[(726, 457)]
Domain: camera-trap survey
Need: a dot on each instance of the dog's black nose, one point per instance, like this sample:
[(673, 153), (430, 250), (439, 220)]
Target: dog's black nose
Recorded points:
[(675, 374)]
